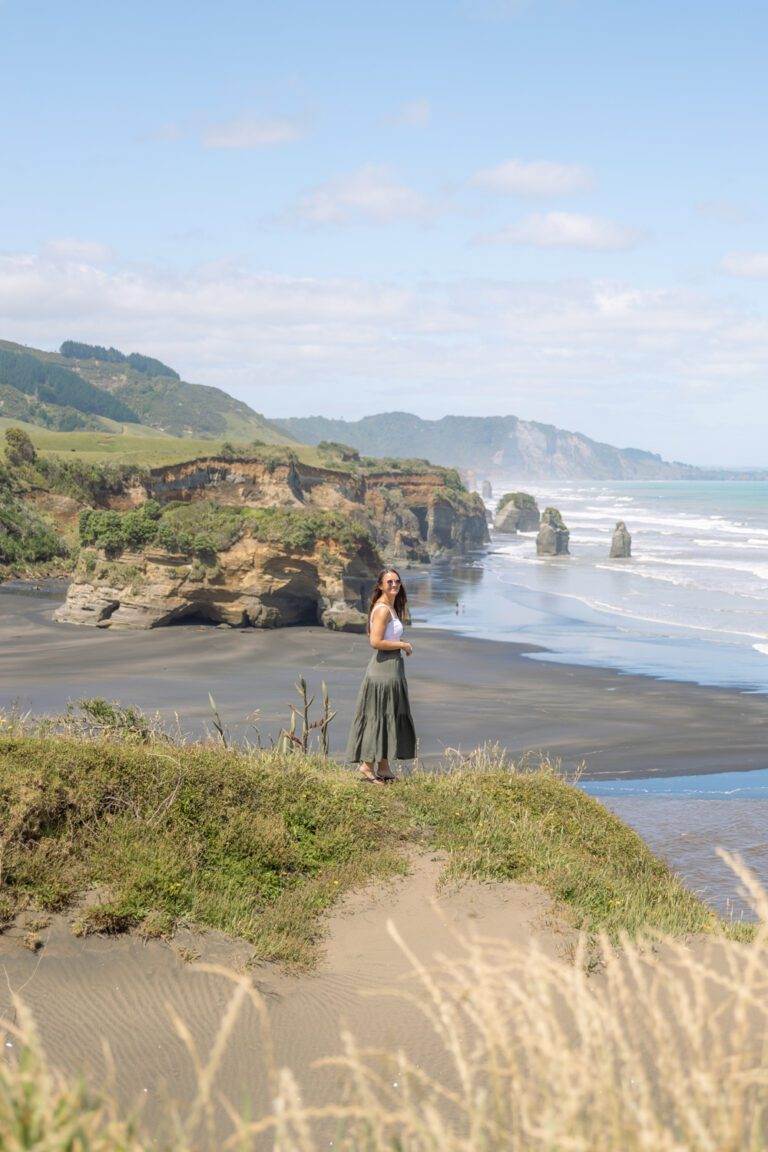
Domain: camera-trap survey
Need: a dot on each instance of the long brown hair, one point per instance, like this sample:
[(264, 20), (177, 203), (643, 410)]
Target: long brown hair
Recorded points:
[(400, 600)]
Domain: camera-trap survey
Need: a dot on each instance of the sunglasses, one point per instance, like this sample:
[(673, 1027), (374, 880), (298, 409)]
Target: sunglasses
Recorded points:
[(392, 583)]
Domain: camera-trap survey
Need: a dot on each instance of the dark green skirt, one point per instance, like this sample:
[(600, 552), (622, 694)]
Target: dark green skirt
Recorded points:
[(382, 727)]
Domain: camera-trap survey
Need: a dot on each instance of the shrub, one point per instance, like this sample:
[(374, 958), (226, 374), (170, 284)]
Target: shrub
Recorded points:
[(519, 499), (19, 448), (25, 538)]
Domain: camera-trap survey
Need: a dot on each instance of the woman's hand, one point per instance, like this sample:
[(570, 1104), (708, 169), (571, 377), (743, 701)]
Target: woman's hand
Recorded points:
[(407, 648)]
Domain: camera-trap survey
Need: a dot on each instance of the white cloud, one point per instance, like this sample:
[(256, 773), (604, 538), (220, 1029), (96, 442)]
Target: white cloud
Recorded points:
[(413, 114), (86, 251), (347, 346), (252, 131), (370, 195), (566, 230), (534, 178), (753, 265)]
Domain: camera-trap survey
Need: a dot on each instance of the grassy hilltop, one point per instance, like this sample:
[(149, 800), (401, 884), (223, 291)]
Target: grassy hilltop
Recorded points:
[(259, 843), (649, 1053)]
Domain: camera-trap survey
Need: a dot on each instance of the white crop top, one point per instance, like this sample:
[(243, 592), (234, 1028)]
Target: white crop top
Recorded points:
[(394, 628)]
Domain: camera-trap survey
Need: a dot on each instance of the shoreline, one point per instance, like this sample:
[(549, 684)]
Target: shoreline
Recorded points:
[(464, 691)]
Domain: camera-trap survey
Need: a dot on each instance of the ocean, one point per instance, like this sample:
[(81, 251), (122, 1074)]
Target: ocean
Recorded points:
[(691, 604)]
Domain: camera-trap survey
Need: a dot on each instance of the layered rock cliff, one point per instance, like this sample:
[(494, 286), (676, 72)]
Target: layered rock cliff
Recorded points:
[(415, 513), (264, 541), (263, 579)]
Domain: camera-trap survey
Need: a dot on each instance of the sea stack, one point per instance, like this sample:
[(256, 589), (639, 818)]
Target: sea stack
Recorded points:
[(553, 536), (621, 544), (486, 490), (517, 512)]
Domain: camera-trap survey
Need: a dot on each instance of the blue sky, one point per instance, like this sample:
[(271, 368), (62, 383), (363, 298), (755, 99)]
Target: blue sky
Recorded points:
[(547, 207)]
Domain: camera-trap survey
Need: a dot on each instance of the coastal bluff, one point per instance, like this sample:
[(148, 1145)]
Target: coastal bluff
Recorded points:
[(254, 582), (262, 541)]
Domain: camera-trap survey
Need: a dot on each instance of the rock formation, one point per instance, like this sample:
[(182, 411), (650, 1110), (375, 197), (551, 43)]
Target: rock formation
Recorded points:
[(621, 543), (486, 490), (412, 513), (517, 512), (374, 515), (553, 536), (253, 582)]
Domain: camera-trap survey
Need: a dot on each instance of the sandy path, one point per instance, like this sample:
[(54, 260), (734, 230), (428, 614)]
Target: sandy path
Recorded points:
[(119, 992)]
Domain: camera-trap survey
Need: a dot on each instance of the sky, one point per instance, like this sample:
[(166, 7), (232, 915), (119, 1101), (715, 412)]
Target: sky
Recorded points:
[(550, 208)]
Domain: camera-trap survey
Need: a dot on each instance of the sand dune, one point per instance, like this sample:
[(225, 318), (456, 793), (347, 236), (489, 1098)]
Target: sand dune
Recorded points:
[(119, 994)]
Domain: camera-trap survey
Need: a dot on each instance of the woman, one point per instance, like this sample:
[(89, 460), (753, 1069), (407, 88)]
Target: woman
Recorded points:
[(382, 726)]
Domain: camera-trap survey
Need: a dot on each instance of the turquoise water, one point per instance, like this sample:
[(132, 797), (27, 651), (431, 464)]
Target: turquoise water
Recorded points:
[(691, 604)]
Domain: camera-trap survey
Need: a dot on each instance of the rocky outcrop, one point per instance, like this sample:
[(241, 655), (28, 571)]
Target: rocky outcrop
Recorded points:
[(486, 490), (413, 514), (553, 536), (258, 483), (421, 515), (357, 518), (251, 583), (517, 512), (621, 542)]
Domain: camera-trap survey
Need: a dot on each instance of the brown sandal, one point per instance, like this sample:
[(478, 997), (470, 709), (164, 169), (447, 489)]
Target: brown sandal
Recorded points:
[(369, 777)]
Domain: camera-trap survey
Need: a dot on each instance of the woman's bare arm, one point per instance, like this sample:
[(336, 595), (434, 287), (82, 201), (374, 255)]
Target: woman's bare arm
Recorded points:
[(379, 618)]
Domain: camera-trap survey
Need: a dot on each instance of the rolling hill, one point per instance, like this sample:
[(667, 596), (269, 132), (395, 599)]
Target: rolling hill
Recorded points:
[(89, 387), (493, 445)]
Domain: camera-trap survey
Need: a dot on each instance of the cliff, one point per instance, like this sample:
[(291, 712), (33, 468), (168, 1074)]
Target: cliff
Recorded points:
[(263, 541), (266, 571), (415, 513)]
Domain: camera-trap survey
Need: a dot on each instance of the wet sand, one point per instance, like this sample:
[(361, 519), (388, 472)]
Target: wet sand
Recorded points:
[(463, 691), (96, 994)]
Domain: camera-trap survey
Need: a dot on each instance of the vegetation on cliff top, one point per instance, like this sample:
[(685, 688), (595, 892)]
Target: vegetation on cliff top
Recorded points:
[(203, 527), (519, 499), (25, 538)]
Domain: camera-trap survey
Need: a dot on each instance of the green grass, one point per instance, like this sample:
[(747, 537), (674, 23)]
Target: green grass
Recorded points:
[(259, 844), (204, 528), (131, 444), (127, 444)]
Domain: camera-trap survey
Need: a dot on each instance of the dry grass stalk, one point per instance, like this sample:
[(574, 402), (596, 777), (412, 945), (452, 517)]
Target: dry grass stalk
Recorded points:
[(664, 1050)]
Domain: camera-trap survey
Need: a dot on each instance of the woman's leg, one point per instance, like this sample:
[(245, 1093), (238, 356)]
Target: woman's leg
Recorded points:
[(385, 772), (368, 772)]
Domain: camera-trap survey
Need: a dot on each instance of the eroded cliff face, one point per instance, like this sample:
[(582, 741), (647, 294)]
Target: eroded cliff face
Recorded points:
[(256, 483), (410, 515), (251, 583), (405, 515)]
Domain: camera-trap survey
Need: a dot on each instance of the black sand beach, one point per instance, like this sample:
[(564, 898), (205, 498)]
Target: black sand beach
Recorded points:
[(463, 691)]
